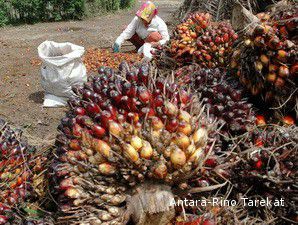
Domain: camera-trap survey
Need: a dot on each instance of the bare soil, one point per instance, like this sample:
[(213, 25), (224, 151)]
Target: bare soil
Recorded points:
[(21, 95)]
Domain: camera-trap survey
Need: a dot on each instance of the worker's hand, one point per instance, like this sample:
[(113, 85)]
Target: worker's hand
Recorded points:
[(116, 47)]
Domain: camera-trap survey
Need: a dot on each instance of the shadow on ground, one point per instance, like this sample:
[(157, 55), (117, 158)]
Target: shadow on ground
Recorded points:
[(37, 97)]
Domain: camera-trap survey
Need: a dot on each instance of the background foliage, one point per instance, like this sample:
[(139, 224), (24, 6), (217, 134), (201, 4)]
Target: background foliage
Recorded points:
[(31, 11)]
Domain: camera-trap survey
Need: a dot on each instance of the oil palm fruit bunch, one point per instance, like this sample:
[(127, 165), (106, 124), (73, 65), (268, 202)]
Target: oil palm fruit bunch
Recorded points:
[(269, 169), (199, 40), (128, 139), (266, 61), (223, 96), (18, 166)]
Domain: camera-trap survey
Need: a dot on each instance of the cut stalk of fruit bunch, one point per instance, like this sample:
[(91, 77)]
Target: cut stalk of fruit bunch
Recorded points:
[(156, 133)]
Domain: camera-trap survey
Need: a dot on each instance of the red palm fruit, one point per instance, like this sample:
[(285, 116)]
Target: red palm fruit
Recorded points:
[(184, 128), (77, 130), (271, 77), (283, 71), (97, 88), (209, 222), (157, 124), (288, 120), (112, 109), (80, 111), (115, 128), (132, 91), (116, 96), (264, 59), (132, 76), (102, 147), (272, 67), (282, 54), (3, 219), (294, 69), (105, 118), (259, 164), (211, 162), (279, 83), (172, 125), (132, 104), (160, 83), (235, 37), (158, 101), (98, 131), (170, 109), (92, 108), (144, 95), (208, 57), (226, 37), (133, 117), (184, 97), (75, 145), (87, 94), (260, 120), (66, 183)]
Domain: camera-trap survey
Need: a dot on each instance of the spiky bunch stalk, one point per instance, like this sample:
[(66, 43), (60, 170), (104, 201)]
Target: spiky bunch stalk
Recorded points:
[(126, 134), (266, 61), (199, 40)]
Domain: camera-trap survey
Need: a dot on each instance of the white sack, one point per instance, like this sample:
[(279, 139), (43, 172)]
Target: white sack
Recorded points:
[(61, 69)]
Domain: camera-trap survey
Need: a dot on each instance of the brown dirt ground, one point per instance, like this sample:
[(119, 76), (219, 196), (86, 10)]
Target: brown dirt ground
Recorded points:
[(21, 95)]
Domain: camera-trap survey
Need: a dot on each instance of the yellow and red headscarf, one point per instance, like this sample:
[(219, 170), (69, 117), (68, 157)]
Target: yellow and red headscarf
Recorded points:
[(147, 11)]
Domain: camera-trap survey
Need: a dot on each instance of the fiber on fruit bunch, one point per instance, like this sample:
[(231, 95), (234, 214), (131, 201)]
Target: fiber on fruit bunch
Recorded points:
[(266, 61), (94, 58), (19, 166), (267, 168), (199, 40), (125, 130)]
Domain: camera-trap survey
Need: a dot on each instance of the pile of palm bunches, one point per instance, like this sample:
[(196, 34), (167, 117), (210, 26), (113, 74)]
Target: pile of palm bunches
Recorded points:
[(95, 58), (123, 129), (266, 61), (223, 97), (199, 40), (269, 170), (17, 168)]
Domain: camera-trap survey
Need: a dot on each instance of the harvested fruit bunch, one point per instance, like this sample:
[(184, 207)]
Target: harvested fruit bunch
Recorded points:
[(269, 169), (199, 40), (17, 169), (223, 96), (266, 61), (127, 134), (95, 58)]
